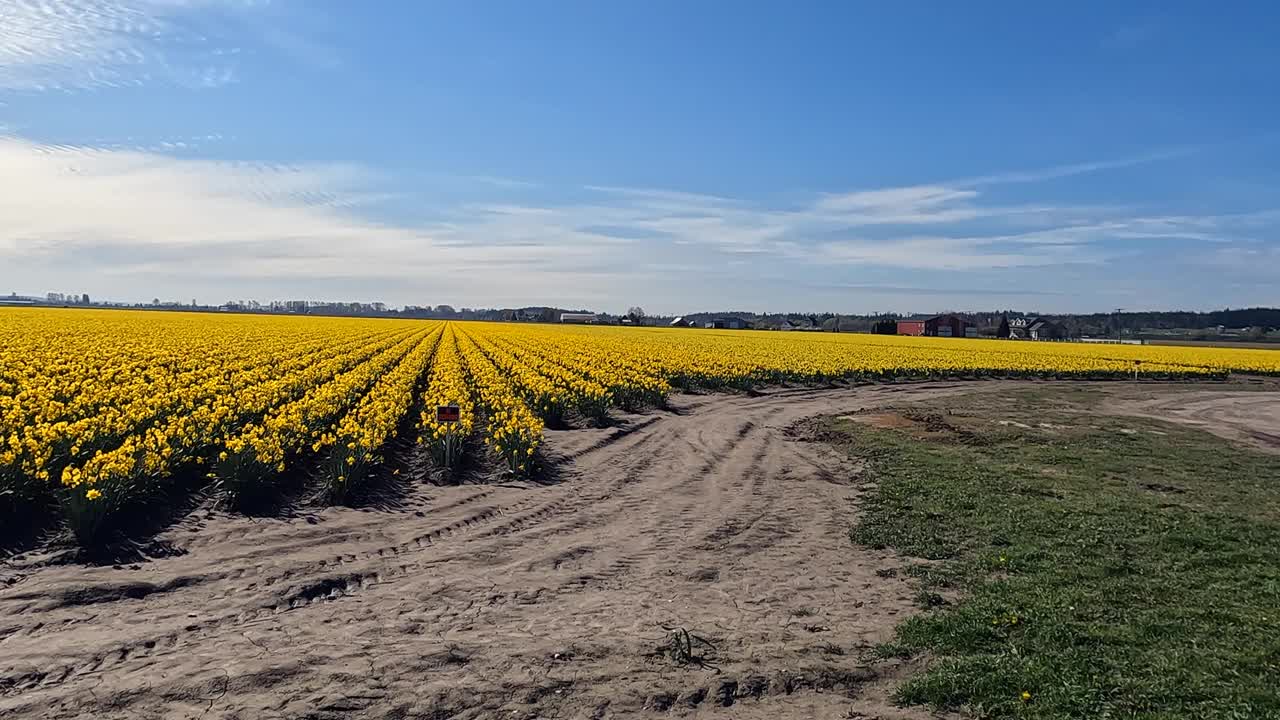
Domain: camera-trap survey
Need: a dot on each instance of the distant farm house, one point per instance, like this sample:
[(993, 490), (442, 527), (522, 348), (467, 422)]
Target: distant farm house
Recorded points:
[(579, 318), (792, 325), (937, 326), (679, 322), (1036, 329)]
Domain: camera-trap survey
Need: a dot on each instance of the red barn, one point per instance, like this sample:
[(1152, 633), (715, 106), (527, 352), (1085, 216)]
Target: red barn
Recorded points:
[(911, 327), (933, 326)]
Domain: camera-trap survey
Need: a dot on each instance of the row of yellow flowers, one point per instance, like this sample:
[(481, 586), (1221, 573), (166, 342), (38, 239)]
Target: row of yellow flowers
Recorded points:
[(463, 376), (264, 448), (550, 388), (512, 430), (447, 386), (43, 446), (361, 434), (630, 378), (101, 407)]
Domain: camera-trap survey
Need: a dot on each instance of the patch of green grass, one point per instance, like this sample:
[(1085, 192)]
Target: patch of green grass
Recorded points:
[(1104, 573)]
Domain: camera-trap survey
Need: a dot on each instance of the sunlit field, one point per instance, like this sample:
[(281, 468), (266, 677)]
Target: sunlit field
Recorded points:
[(100, 409)]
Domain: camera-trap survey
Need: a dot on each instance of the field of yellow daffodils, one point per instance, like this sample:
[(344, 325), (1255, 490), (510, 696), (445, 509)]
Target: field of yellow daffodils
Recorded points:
[(100, 410)]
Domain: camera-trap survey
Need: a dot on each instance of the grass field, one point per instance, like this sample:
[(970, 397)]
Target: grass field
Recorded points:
[(1076, 564)]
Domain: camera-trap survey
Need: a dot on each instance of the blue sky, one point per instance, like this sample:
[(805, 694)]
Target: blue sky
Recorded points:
[(762, 156)]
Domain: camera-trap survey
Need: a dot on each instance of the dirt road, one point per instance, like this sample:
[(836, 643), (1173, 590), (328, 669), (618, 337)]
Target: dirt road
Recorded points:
[(502, 601), (1250, 416)]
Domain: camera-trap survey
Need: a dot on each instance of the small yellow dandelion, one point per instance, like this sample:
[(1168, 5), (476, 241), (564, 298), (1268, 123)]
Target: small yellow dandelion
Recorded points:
[(93, 494), (1026, 696)]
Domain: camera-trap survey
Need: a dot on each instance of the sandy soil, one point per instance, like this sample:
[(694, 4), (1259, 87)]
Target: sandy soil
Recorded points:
[(1251, 417), (513, 601)]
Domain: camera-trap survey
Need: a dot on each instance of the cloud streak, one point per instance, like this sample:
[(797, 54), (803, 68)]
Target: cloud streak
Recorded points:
[(1073, 169), (103, 218), (88, 44)]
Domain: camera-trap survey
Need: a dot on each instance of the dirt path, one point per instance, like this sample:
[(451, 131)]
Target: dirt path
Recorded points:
[(1248, 416), (502, 601)]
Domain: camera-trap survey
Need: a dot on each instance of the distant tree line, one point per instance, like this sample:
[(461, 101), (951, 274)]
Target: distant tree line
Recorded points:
[(1257, 321), (533, 313)]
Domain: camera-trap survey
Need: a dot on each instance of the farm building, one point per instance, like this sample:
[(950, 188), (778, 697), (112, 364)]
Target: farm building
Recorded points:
[(936, 326), (791, 325), (1027, 328), (577, 317), (725, 324), (1045, 330), (679, 322)]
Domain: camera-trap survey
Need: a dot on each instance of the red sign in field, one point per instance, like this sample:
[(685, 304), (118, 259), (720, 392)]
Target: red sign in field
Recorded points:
[(448, 413)]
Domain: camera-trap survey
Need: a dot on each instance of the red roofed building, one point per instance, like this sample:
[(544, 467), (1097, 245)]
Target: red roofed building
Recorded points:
[(933, 326)]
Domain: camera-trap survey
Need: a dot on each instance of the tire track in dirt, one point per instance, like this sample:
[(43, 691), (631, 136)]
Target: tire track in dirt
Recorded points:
[(654, 526), (328, 581), (328, 586)]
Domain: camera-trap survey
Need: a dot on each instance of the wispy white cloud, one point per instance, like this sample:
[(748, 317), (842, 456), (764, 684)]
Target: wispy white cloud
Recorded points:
[(950, 253), (87, 214), (77, 195), (104, 218), (956, 200), (896, 200), (918, 205), (665, 197), (83, 44), (1072, 169)]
